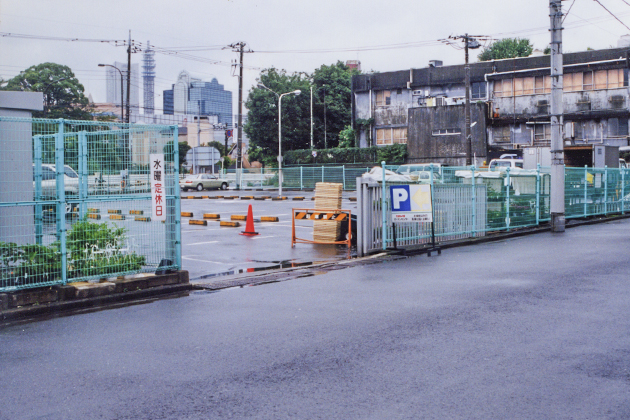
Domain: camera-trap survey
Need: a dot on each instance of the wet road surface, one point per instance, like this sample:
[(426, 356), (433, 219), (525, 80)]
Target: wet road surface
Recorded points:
[(529, 328)]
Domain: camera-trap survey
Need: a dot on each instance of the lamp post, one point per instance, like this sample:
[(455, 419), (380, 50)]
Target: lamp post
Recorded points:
[(122, 116), (295, 92), (45, 92)]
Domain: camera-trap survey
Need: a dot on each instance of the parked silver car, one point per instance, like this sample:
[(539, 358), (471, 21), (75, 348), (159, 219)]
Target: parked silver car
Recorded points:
[(203, 181)]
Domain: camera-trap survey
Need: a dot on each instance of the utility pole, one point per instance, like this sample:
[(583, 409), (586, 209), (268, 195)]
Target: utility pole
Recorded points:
[(128, 75), (467, 105), (557, 110), (470, 42), (239, 48)]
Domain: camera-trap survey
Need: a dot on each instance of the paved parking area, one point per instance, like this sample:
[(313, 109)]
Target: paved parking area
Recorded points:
[(211, 251)]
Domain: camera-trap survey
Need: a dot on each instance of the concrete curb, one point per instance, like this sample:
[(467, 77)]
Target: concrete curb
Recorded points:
[(64, 299)]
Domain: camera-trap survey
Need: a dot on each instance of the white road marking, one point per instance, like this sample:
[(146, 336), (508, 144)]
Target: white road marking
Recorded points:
[(202, 243), (264, 237), (206, 261)]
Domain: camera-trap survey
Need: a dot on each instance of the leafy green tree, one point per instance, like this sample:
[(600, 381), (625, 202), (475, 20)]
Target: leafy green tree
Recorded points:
[(63, 94), (507, 48), (331, 84), (262, 117), (347, 137), (332, 87), (183, 149)]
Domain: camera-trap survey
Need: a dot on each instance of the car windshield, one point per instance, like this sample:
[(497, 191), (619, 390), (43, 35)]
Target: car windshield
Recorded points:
[(70, 172)]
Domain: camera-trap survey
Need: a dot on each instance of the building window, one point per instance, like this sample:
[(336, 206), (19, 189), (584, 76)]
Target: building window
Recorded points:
[(383, 97), (447, 132), (572, 82), (387, 136), (542, 134), (617, 127), (502, 134), (478, 91)]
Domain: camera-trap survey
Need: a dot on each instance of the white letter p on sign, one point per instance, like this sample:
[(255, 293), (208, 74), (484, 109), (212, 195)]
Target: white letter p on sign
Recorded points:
[(400, 196)]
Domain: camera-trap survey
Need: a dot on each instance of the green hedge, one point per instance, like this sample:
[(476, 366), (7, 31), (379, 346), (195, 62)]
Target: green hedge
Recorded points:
[(393, 154)]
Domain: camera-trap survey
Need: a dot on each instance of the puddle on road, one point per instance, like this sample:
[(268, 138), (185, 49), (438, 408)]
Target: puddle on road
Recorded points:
[(276, 266)]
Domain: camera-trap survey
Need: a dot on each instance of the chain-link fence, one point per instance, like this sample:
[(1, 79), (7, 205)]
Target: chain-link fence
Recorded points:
[(297, 177), (75, 201), (469, 201)]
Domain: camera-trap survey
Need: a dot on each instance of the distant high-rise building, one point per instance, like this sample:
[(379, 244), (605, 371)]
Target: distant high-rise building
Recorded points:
[(113, 86), (191, 95), (354, 64), (148, 76)]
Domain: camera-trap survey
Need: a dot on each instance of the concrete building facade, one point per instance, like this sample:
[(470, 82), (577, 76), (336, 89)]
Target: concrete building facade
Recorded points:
[(423, 108)]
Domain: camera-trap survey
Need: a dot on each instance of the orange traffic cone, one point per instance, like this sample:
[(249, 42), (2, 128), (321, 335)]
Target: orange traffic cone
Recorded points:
[(249, 227)]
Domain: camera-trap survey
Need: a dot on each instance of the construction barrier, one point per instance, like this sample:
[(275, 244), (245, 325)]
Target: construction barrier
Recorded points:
[(328, 228)]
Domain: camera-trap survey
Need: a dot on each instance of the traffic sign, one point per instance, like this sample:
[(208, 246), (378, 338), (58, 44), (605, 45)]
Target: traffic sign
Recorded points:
[(411, 203)]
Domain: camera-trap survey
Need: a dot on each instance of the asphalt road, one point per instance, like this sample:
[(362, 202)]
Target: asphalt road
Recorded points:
[(535, 327)]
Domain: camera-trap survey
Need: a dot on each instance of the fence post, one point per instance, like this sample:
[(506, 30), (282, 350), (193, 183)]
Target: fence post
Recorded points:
[(605, 189), (301, 178), (323, 173), (343, 175), (474, 202), (623, 185), (383, 209), (537, 194), (37, 173), (585, 189), (507, 199), (177, 216), (83, 174), (360, 218), (61, 199)]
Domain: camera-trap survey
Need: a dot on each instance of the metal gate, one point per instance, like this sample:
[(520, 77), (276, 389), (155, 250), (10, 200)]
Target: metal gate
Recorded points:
[(75, 201)]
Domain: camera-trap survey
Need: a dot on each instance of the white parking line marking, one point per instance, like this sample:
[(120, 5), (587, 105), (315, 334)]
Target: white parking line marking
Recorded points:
[(264, 237), (206, 261), (202, 243)]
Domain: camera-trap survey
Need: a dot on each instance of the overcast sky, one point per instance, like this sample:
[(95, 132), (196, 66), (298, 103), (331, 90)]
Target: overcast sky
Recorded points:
[(296, 35)]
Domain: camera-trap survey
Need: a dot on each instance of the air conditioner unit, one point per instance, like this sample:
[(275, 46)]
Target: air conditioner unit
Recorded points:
[(569, 130), (418, 93), (441, 102)]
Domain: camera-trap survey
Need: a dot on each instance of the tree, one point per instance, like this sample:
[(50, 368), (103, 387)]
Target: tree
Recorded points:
[(183, 149), (63, 94), (347, 137), (331, 84), (507, 48), (262, 116)]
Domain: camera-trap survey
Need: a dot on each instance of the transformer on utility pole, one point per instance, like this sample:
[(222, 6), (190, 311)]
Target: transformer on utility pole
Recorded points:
[(239, 48), (557, 110), (470, 42)]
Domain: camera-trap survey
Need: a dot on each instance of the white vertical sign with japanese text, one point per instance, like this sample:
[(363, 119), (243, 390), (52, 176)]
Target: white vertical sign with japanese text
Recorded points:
[(158, 192)]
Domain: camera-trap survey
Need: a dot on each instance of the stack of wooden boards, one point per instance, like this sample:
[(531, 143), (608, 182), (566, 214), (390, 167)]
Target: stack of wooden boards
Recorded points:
[(327, 197)]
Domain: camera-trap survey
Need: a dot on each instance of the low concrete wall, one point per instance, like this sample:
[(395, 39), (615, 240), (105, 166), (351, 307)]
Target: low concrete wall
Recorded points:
[(72, 296)]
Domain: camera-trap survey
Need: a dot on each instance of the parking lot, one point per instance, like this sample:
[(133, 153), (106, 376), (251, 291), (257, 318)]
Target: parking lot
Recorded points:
[(211, 251)]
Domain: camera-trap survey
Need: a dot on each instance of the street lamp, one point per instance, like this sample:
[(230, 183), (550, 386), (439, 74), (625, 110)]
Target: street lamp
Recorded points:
[(45, 92), (295, 92), (122, 116)]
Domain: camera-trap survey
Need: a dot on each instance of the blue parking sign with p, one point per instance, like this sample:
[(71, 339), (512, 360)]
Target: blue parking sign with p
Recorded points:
[(400, 198)]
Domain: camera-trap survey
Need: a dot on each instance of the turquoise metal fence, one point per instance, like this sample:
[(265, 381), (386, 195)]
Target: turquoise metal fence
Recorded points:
[(76, 205), (298, 177), (469, 201)]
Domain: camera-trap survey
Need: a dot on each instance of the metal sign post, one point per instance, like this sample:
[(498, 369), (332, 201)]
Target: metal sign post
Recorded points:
[(413, 203)]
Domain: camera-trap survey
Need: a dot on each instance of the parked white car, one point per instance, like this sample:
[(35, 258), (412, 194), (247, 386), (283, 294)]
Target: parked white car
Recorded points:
[(203, 181), (49, 181), (503, 164)]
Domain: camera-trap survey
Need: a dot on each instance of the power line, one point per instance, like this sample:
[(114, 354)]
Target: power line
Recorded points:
[(611, 13)]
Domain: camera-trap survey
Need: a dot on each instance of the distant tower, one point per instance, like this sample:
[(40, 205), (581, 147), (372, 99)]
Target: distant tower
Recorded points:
[(148, 76)]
